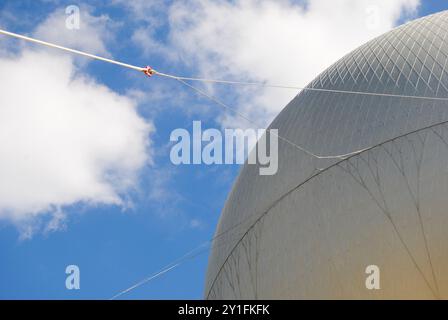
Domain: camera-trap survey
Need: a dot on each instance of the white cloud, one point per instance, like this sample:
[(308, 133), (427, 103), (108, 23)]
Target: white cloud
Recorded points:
[(275, 41), (64, 138)]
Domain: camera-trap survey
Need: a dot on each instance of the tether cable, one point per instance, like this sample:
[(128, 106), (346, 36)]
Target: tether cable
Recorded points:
[(150, 72)]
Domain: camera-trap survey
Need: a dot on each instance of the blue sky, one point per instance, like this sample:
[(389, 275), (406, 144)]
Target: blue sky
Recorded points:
[(170, 209)]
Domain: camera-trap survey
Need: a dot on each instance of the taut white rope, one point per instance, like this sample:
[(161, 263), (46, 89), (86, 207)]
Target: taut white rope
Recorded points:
[(189, 255), (52, 45), (149, 72)]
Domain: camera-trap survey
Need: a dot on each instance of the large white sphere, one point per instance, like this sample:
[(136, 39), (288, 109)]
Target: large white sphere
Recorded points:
[(311, 230)]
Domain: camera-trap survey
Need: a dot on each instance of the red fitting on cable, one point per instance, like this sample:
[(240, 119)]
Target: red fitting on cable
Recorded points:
[(148, 71)]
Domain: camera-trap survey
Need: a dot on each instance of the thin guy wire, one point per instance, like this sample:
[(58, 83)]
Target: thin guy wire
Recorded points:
[(181, 79)]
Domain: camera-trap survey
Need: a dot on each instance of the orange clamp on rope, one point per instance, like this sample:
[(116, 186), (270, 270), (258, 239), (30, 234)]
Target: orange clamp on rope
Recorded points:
[(148, 71)]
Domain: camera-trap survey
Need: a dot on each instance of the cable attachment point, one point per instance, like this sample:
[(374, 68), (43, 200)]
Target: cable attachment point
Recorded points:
[(149, 71)]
